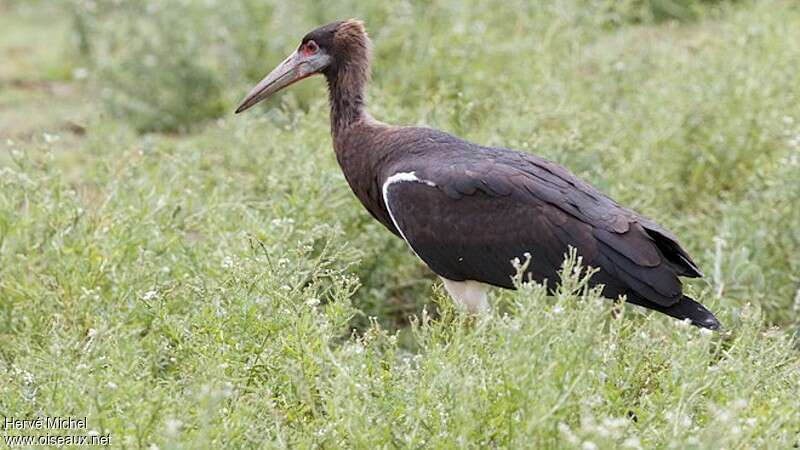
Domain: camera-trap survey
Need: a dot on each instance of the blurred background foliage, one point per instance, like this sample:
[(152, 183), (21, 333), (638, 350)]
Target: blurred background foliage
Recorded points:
[(186, 53)]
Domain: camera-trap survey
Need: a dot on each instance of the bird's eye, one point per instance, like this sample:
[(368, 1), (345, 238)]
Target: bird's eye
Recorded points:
[(312, 47)]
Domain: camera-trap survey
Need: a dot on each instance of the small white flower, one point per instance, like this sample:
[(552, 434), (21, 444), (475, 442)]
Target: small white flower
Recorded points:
[(149, 295), (632, 442), (589, 445), (80, 73), (567, 433), (172, 426), (50, 138), (283, 221), (227, 389), (111, 385), (312, 302)]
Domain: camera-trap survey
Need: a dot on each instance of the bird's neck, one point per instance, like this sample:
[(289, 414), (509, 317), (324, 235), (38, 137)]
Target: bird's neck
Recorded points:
[(346, 90)]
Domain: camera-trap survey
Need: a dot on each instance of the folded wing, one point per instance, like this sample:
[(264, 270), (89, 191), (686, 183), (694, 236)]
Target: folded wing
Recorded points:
[(469, 219)]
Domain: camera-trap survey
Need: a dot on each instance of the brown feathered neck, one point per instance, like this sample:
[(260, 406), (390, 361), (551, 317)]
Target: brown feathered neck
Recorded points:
[(348, 75)]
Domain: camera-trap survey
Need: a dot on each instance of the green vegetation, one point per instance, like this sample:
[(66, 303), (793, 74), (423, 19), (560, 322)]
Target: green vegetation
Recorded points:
[(185, 278)]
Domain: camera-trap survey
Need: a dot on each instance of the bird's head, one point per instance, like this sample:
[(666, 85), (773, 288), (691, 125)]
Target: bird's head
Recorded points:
[(326, 50)]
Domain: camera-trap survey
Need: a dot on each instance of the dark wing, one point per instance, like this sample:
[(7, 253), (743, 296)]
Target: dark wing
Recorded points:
[(467, 220)]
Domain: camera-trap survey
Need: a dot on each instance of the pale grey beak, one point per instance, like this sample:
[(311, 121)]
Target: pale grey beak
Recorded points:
[(294, 68)]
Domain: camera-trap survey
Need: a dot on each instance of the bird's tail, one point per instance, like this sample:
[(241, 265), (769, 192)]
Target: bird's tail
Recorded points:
[(685, 308)]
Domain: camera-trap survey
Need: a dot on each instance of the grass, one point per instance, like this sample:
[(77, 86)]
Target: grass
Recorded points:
[(216, 285)]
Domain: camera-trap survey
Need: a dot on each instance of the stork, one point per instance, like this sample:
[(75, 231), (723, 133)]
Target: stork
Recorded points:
[(467, 211)]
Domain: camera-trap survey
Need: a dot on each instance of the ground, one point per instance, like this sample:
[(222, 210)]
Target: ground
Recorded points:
[(186, 278)]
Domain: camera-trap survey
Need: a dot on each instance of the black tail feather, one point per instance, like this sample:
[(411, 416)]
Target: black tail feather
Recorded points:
[(685, 308)]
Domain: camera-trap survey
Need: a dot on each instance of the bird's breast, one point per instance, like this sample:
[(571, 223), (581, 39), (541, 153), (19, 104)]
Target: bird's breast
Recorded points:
[(365, 182)]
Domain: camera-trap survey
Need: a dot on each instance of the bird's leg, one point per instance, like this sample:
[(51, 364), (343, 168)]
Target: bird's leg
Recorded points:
[(468, 294)]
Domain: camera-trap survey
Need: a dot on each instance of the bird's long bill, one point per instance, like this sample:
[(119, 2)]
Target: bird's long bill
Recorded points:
[(294, 68)]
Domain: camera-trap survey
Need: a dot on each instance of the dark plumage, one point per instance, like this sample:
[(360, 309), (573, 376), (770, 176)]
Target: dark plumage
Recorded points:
[(468, 210)]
